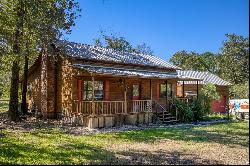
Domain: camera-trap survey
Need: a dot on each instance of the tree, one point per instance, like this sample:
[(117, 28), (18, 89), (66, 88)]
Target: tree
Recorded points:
[(209, 62), (240, 91), (234, 64), (34, 25), (121, 44), (231, 64), (13, 104), (234, 59), (144, 49), (193, 61)]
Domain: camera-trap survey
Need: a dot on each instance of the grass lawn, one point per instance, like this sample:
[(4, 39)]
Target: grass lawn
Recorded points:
[(215, 144)]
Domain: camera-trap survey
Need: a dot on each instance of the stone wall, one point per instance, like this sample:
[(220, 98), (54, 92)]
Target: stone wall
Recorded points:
[(101, 121), (65, 87), (48, 86)]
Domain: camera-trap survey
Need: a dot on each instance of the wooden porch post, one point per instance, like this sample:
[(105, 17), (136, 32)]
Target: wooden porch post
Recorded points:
[(93, 94), (151, 98), (197, 86), (125, 97), (166, 82), (183, 92), (151, 91)]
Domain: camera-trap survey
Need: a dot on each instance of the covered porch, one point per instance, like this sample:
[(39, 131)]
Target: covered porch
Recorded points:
[(106, 91)]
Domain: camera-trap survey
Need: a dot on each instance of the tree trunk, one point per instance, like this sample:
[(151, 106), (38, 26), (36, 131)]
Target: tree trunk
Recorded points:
[(13, 104), (24, 107)]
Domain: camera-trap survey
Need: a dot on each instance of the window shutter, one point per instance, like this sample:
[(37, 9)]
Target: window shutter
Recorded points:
[(79, 90), (106, 90)]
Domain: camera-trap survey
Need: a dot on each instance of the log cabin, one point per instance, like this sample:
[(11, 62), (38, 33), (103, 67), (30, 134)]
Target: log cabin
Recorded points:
[(100, 87)]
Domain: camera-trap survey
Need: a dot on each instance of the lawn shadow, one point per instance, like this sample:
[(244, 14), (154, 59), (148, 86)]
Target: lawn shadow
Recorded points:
[(159, 158), (17, 152)]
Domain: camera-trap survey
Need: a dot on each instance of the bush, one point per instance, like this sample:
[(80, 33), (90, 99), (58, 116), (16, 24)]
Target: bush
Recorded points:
[(198, 110), (185, 113), (207, 94)]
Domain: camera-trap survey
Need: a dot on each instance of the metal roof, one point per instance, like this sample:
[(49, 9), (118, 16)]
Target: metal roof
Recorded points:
[(85, 51), (206, 77), (125, 71)]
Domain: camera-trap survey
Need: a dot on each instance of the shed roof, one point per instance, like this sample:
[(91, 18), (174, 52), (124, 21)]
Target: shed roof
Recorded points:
[(91, 52), (206, 77)]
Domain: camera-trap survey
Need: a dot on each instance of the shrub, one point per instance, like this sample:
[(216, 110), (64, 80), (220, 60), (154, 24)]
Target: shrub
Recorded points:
[(198, 110), (185, 113), (207, 94)]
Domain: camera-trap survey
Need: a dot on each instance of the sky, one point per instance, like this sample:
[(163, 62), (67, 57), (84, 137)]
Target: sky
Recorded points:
[(167, 26)]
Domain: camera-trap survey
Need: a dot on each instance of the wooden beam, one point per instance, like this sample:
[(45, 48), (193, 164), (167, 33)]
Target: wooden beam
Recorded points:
[(151, 97), (197, 88), (93, 94), (183, 89), (151, 91), (166, 82), (125, 97)]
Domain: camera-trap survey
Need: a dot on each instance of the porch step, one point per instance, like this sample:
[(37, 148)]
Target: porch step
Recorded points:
[(169, 121), (163, 115), (167, 118)]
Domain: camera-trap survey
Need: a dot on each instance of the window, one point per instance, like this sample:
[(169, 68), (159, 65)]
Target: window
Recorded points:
[(163, 90), (98, 90), (88, 87), (136, 91)]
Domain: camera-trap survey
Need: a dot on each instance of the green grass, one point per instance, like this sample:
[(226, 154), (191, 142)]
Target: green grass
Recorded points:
[(216, 116), (51, 146)]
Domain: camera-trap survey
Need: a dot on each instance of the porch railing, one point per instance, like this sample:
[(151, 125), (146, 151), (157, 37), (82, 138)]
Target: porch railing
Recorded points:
[(99, 107), (141, 106), (110, 107)]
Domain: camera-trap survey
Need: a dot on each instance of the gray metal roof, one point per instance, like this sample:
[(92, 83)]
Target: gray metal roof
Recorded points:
[(100, 53), (206, 76), (125, 71)]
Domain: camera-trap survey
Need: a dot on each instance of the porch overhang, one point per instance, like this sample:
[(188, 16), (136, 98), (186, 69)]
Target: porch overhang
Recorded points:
[(188, 79), (128, 72)]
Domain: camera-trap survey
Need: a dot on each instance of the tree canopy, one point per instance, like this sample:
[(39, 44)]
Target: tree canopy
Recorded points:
[(194, 61), (29, 26), (121, 44)]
